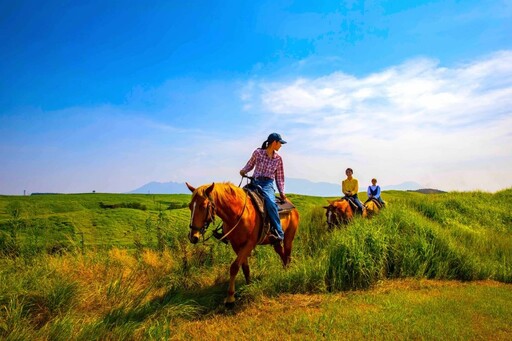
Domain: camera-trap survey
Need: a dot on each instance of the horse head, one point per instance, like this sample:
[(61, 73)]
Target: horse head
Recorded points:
[(338, 212), (202, 210), (372, 208), (330, 214)]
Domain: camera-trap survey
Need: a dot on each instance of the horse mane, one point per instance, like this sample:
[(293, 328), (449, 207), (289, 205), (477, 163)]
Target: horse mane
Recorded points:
[(223, 192), (343, 206), (226, 193)]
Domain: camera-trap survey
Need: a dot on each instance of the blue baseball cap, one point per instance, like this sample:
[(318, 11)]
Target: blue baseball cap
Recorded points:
[(275, 137)]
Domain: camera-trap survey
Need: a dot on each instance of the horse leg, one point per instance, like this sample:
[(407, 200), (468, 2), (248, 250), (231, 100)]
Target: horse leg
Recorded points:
[(291, 230), (241, 259), (247, 272), (280, 251), (233, 271), (288, 244), (287, 252)]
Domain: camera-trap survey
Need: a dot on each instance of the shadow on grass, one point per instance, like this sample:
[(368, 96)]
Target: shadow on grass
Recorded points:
[(193, 304)]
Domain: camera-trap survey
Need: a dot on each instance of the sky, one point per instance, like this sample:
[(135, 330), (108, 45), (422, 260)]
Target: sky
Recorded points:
[(107, 96)]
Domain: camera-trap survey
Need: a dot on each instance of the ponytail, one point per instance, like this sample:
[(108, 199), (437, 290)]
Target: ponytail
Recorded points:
[(264, 145)]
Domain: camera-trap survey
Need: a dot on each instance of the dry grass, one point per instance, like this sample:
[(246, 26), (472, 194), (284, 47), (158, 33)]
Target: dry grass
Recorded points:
[(106, 285), (374, 314)]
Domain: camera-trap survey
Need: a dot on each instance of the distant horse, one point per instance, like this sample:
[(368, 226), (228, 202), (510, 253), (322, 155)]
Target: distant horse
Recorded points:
[(341, 212), (241, 225), (372, 207), (338, 212)]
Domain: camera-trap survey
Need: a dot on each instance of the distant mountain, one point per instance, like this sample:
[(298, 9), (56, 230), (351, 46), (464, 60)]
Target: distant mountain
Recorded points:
[(162, 188), (306, 187), (293, 185)]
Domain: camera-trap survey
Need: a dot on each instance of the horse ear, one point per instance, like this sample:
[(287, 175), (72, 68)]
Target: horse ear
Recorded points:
[(209, 189), (326, 207), (192, 189)]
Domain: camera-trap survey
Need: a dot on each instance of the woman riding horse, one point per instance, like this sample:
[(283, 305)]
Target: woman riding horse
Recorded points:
[(269, 166), (241, 225)]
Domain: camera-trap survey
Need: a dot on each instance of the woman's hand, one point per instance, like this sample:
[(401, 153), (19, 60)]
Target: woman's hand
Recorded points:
[(242, 173)]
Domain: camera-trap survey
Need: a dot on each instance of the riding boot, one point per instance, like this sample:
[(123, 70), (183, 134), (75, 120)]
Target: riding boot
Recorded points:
[(219, 235), (274, 239)]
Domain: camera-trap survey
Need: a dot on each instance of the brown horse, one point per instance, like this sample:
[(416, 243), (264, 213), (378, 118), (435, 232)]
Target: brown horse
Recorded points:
[(241, 225), (372, 207), (338, 212)]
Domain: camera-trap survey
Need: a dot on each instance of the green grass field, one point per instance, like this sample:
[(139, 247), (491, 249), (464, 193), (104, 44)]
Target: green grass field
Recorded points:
[(116, 266)]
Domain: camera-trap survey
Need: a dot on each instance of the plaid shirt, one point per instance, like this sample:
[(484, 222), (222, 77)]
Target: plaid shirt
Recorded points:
[(267, 167)]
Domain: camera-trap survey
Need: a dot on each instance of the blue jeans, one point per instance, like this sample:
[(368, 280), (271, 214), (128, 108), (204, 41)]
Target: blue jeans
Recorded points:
[(270, 204), (357, 201)]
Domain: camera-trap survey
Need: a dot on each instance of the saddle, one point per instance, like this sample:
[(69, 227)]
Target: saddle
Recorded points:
[(352, 203), (283, 208), (375, 201)]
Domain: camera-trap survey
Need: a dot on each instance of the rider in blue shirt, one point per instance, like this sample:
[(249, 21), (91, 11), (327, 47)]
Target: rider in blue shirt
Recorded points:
[(374, 192)]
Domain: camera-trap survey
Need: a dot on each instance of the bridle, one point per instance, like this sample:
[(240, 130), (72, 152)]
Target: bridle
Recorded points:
[(210, 217), (333, 217)]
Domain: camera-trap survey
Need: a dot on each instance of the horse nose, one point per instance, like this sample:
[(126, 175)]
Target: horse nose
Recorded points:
[(193, 238)]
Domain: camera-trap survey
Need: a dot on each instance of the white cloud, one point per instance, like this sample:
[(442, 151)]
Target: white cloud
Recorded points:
[(415, 121), (444, 127)]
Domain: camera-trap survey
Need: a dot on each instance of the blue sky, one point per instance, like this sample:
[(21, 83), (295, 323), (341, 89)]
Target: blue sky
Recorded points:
[(108, 96)]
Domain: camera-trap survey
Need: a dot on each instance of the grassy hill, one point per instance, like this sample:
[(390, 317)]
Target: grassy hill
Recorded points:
[(118, 266), (100, 220)]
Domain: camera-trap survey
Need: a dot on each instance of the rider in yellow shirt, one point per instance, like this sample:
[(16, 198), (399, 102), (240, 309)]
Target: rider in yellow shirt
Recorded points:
[(350, 187)]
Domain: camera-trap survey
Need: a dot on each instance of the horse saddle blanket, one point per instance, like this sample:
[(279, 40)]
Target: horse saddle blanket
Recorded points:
[(283, 207), (259, 204), (376, 202)]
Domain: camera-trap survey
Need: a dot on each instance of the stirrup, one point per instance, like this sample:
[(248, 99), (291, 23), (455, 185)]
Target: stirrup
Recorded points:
[(273, 239), (219, 236)]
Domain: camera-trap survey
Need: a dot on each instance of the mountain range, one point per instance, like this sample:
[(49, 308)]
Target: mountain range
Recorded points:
[(293, 185)]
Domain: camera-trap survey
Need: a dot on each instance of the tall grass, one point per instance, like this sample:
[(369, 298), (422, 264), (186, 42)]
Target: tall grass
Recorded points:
[(108, 289), (461, 236)]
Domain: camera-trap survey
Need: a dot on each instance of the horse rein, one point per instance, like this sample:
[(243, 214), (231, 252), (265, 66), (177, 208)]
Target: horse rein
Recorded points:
[(210, 208), (239, 218)]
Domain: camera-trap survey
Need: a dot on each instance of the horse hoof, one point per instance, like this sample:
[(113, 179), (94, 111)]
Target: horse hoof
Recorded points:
[(229, 305)]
